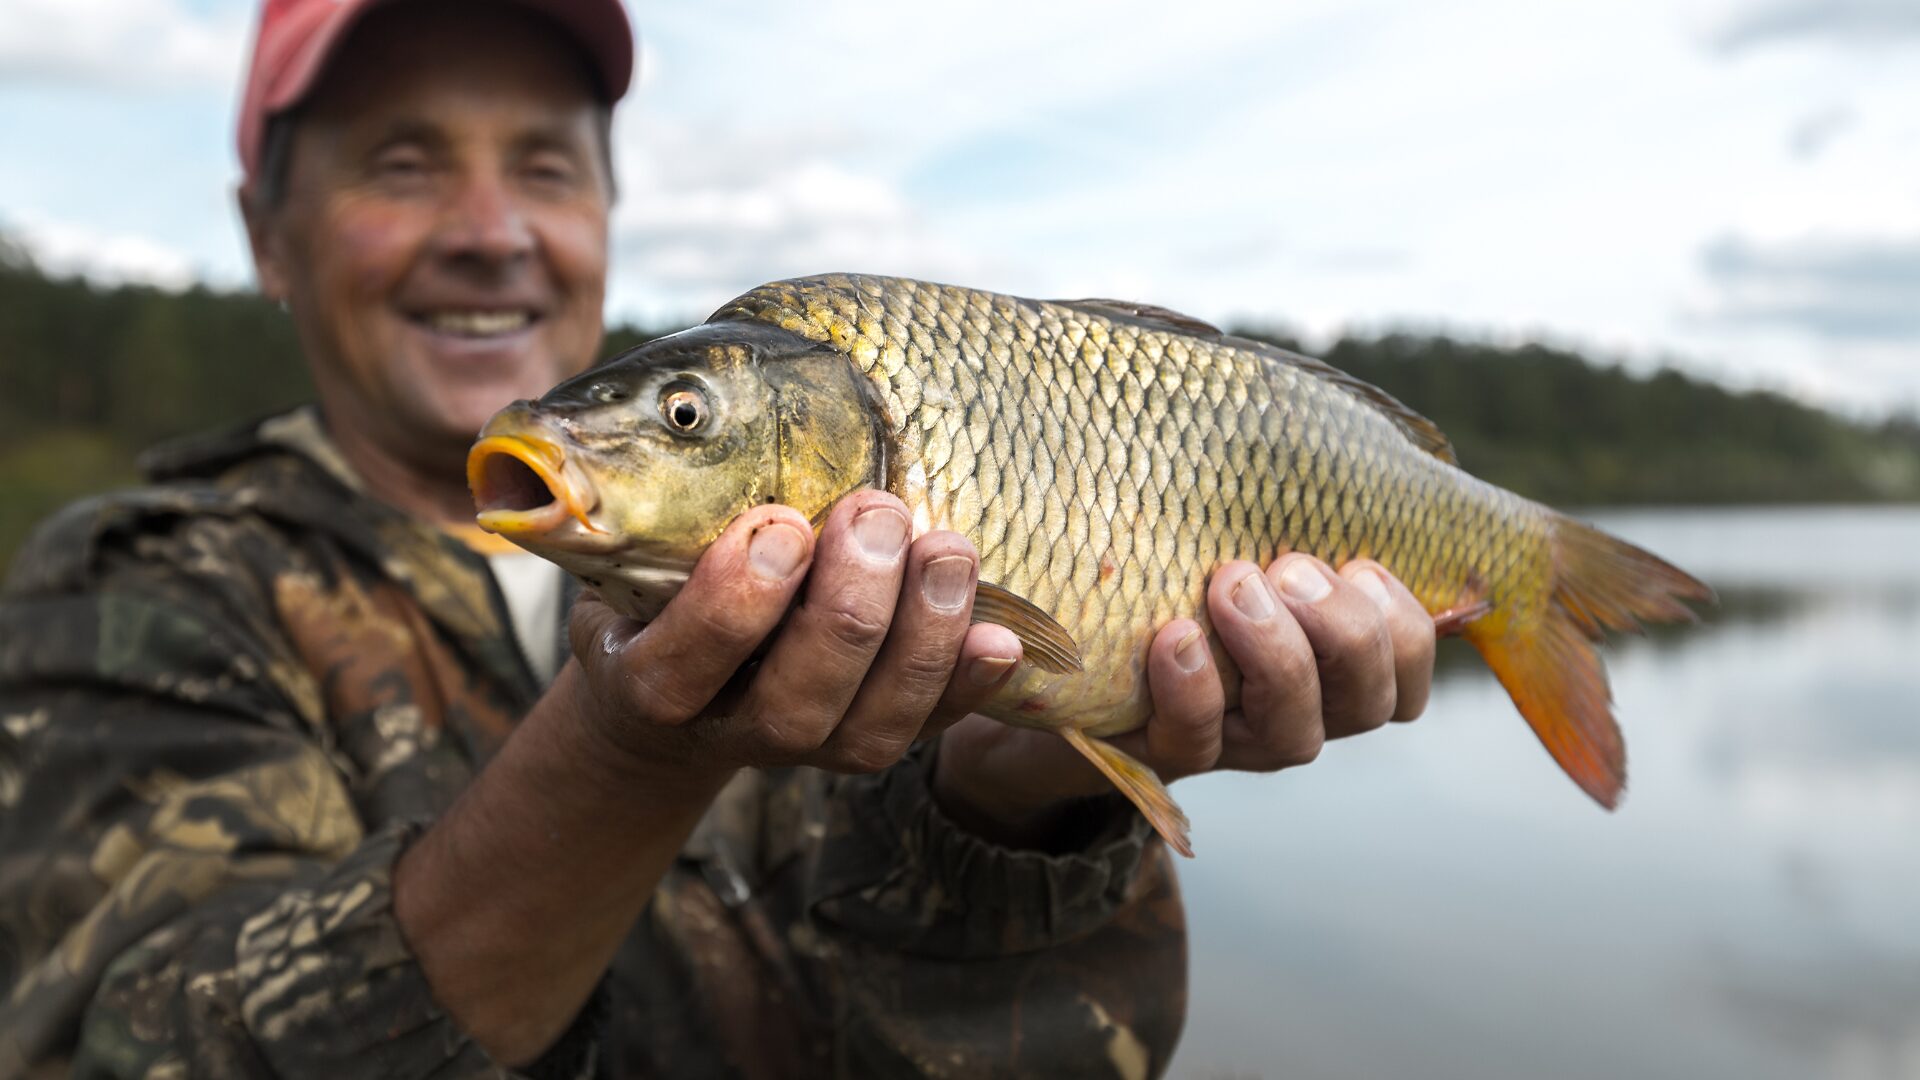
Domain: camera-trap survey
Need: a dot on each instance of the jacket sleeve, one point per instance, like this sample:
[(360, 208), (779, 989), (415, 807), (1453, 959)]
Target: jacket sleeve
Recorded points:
[(186, 885), (930, 952)]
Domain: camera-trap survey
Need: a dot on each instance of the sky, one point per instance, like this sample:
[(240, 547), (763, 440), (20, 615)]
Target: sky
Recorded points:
[(1728, 186)]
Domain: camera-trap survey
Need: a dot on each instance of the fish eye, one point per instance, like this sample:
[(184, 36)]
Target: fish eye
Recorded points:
[(684, 408), (606, 393)]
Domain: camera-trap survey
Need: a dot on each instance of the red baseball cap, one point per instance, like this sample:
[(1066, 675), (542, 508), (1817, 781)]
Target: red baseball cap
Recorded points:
[(297, 38)]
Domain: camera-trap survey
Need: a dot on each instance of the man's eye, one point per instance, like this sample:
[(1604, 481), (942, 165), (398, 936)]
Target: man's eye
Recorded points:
[(400, 166), (550, 170)]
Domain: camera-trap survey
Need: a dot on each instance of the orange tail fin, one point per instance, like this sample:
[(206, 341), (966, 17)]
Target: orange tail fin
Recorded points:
[(1138, 783), (1546, 657)]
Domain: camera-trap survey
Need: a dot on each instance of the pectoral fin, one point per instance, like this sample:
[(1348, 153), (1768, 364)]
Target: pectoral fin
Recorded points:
[(1139, 784), (1045, 643)]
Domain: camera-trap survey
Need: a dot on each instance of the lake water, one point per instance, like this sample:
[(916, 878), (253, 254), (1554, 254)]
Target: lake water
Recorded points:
[(1438, 901)]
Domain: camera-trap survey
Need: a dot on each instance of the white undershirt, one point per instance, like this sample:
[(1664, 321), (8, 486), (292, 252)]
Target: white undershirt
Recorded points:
[(531, 586)]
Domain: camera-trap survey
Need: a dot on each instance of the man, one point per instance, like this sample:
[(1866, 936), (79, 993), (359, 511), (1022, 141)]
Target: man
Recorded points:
[(285, 793)]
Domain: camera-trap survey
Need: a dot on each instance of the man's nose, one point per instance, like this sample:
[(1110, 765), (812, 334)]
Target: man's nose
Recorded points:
[(484, 224)]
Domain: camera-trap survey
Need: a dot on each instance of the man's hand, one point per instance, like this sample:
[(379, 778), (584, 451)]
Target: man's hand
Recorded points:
[(572, 825), (1321, 656), (877, 653)]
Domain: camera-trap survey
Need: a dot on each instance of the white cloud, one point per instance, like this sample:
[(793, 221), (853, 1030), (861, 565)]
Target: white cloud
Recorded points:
[(108, 258), (705, 215), (120, 43)]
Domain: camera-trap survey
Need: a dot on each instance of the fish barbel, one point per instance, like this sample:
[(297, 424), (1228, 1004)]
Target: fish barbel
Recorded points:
[(1104, 457)]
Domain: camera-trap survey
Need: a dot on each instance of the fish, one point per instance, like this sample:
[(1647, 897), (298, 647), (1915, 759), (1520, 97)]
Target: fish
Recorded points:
[(1103, 456)]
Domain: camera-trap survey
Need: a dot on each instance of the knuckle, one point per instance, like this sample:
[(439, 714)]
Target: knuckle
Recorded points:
[(1355, 707), (668, 702), (1289, 669), (1359, 640), (1354, 658), (869, 753), (1292, 732), (1283, 682), (1303, 750), (1380, 710), (723, 628), (1411, 694), (1193, 756), (925, 672), (854, 765), (1291, 735), (853, 627), (792, 737), (1416, 645), (1416, 656), (785, 732)]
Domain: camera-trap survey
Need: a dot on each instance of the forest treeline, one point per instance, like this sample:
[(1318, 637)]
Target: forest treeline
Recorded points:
[(89, 375)]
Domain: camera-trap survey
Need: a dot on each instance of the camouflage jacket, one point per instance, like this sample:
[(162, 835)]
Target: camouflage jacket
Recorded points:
[(227, 702)]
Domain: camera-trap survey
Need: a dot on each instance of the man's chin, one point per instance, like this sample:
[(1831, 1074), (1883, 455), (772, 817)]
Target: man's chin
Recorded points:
[(460, 402), (446, 396)]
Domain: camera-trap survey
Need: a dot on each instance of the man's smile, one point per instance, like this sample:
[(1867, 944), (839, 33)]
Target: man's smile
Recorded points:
[(478, 323), (475, 321)]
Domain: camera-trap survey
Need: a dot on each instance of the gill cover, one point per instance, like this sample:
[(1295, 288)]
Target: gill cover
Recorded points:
[(831, 433)]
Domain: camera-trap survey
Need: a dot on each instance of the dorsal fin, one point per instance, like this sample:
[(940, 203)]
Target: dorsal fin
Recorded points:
[(1424, 433), (1151, 315)]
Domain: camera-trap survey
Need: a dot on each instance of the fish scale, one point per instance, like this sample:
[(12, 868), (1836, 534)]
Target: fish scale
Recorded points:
[(1104, 458)]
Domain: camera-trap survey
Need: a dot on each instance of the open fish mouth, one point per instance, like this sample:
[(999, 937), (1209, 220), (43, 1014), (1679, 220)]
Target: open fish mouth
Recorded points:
[(523, 489)]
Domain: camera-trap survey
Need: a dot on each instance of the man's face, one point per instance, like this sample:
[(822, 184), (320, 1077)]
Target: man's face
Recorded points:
[(442, 240)]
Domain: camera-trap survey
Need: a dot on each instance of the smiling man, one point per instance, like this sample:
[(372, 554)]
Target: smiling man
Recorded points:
[(297, 779)]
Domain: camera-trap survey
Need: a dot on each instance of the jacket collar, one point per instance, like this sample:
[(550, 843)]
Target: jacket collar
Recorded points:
[(288, 468)]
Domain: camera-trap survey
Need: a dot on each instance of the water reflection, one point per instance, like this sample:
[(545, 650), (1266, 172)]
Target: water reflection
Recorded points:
[(1438, 901)]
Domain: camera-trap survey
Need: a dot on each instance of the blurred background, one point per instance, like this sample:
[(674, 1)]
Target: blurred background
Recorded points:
[(1656, 261)]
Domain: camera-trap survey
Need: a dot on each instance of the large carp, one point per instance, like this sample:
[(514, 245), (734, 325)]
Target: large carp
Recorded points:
[(1104, 457)]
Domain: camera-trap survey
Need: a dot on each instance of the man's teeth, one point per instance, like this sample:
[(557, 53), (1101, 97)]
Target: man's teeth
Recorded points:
[(478, 323)]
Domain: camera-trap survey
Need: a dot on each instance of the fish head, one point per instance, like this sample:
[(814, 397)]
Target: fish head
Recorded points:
[(626, 473)]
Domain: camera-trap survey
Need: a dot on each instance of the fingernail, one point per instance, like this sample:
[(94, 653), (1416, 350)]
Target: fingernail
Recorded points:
[(946, 581), (1254, 597), (775, 551), (986, 670), (1304, 582), (1371, 584), (881, 532), (1191, 653)]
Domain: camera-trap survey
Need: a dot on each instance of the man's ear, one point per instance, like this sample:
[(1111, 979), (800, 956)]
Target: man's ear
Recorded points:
[(266, 243)]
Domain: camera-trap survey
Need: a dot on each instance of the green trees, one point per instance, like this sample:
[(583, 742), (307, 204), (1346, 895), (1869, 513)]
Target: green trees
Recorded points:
[(134, 362), (1554, 426)]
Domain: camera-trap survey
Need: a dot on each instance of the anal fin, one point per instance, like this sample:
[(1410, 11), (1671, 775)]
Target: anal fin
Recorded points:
[(1139, 784), (1044, 642)]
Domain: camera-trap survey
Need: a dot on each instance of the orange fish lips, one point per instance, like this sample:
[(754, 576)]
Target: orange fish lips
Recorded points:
[(523, 489)]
